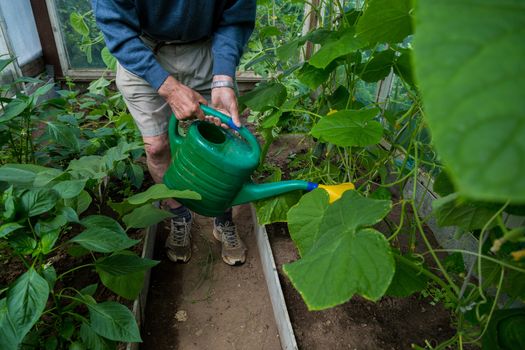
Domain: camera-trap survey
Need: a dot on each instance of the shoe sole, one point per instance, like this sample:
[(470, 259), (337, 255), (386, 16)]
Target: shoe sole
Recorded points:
[(227, 260), (178, 259)]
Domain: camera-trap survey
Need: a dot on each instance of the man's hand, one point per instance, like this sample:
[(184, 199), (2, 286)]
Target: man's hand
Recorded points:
[(184, 102), (224, 100)]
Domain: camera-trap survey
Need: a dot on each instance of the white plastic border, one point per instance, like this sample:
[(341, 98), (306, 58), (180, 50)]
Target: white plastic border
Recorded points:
[(139, 305), (280, 312)]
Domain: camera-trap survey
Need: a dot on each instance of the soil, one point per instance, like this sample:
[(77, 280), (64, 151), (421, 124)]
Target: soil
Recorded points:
[(206, 304), (391, 323)]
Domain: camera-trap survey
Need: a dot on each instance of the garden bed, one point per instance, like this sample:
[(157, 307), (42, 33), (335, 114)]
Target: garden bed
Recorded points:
[(392, 323)]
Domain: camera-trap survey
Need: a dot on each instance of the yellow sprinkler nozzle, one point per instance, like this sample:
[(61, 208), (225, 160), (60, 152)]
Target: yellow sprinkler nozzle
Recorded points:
[(336, 191)]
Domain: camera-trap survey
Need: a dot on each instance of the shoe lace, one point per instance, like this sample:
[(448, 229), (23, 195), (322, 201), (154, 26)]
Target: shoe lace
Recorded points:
[(229, 234), (179, 233)]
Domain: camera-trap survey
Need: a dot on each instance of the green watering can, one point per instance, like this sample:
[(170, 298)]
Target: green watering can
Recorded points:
[(217, 164)]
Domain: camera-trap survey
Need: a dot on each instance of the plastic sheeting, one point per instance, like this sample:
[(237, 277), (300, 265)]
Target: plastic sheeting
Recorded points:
[(20, 26)]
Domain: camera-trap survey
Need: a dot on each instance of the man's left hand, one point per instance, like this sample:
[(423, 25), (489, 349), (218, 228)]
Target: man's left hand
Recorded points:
[(223, 99)]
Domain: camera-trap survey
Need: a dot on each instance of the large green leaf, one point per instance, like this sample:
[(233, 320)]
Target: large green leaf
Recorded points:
[(343, 265), (37, 201), (160, 191), (26, 300), (145, 216), (275, 209), (385, 21), (124, 273), (336, 45), (103, 240), (109, 60), (347, 258), (304, 219), (349, 128), (472, 79), (265, 96), (114, 321)]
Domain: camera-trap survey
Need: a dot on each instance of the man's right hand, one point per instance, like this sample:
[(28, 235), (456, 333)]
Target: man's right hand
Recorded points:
[(184, 102)]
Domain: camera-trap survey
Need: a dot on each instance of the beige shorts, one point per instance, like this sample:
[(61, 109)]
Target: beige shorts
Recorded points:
[(191, 64)]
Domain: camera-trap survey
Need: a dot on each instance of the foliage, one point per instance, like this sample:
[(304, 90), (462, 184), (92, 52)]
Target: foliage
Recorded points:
[(65, 157), (384, 143)]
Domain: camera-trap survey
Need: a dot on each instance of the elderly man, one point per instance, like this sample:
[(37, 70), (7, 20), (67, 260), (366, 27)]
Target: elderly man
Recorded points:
[(174, 55)]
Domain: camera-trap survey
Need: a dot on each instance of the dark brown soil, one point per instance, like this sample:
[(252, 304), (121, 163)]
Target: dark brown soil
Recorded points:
[(206, 304), (391, 323)]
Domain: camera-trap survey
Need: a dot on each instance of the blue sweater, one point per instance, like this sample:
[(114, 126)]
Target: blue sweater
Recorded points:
[(229, 23)]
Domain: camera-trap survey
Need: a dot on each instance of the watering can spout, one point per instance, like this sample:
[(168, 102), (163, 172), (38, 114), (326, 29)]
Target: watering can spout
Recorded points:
[(252, 192)]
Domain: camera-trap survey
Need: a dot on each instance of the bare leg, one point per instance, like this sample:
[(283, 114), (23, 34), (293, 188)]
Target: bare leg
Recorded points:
[(158, 159)]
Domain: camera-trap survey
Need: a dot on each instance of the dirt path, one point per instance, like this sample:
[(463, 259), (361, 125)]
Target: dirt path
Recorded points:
[(207, 304)]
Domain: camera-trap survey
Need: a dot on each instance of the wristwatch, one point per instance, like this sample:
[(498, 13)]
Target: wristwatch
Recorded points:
[(222, 83)]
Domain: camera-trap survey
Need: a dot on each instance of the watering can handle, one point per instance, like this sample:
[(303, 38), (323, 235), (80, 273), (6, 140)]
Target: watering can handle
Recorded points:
[(176, 138)]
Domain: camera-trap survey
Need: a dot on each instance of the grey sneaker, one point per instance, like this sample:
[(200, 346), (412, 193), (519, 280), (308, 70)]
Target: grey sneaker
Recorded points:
[(178, 243), (233, 248)]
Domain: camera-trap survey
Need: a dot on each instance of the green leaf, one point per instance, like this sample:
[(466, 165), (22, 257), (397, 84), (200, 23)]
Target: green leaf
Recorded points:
[(20, 174), (109, 60), (269, 31), (81, 203), (42, 90), (9, 339), (304, 219), (6, 229), (346, 258), (48, 240), (335, 46), (102, 221), (123, 263), (312, 76), (92, 340), (350, 128), (14, 109), (124, 273), (275, 209), (38, 201), (78, 23), (114, 321), (363, 264), (406, 280), (473, 102), (70, 188), (505, 330), (403, 67), (64, 135), (378, 67), (386, 21), (455, 211), (103, 240), (145, 216), (160, 191), (26, 300), (265, 96)]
